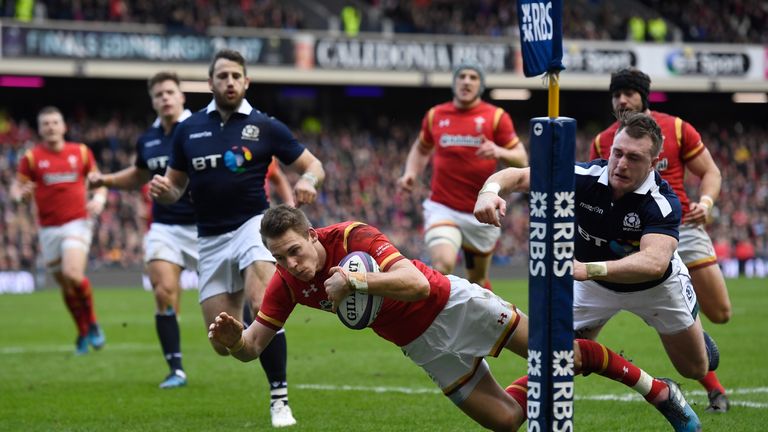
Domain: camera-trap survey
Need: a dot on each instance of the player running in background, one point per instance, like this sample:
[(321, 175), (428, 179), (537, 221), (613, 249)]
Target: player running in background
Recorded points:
[(223, 152), (627, 218), (468, 138), (421, 307), (170, 246), (282, 187), (54, 171), (682, 149)]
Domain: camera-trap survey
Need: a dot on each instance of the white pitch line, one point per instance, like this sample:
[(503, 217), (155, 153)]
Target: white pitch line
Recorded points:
[(627, 397), (43, 349)]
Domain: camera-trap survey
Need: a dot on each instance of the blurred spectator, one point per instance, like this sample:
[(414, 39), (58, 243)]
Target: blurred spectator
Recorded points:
[(362, 165)]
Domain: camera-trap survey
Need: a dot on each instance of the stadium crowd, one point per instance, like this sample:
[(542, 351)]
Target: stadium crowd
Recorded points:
[(362, 166), (689, 20)]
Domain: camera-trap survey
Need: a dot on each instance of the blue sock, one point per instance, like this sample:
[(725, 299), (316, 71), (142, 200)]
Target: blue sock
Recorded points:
[(274, 360), (713, 352), (170, 338)]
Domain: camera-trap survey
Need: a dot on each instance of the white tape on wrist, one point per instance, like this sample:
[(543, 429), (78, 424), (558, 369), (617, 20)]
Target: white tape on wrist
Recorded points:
[(596, 269), (491, 187), (308, 176), (358, 281)]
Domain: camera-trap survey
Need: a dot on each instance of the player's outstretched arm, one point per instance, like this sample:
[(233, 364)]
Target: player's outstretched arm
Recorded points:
[(418, 158), (169, 188), (402, 281), (490, 208), (312, 176), (649, 264), (244, 345), (130, 178)]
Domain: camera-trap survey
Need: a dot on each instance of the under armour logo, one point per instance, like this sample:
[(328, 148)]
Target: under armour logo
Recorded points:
[(309, 291), (502, 318), (444, 123)]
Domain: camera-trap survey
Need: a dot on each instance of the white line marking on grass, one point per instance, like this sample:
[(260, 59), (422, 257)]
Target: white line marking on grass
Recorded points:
[(626, 397), (42, 349)]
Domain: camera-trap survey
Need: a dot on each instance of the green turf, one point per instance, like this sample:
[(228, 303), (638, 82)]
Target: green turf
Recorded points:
[(44, 387)]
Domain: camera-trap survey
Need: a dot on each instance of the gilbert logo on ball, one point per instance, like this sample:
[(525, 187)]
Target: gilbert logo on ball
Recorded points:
[(359, 310)]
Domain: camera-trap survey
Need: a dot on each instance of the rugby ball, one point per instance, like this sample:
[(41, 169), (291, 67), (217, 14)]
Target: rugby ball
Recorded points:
[(358, 310)]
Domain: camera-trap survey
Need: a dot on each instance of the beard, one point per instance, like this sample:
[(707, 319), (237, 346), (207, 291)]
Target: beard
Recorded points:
[(225, 103)]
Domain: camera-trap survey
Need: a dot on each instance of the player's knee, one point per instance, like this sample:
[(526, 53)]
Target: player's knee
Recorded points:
[(443, 266), (73, 276), (504, 421), (165, 294), (721, 315)]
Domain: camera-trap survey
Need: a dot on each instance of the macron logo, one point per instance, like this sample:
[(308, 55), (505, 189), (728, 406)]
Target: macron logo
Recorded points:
[(537, 22), (200, 135)]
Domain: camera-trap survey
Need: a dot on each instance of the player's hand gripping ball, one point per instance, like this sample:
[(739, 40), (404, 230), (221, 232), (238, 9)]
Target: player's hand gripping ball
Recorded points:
[(358, 310)]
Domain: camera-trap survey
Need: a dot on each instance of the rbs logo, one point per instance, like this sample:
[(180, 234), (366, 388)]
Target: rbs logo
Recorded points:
[(537, 22)]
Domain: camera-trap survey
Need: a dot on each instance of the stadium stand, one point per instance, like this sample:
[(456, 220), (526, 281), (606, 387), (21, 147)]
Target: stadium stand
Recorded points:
[(690, 20), (362, 166)]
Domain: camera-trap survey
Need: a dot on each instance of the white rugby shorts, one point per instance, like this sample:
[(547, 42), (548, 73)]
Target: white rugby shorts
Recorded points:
[(695, 246), (668, 307), (477, 235), (474, 323), (76, 234), (223, 258), (176, 244)]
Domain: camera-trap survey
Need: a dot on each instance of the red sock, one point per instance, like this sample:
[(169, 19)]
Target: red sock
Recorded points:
[(596, 357), (710, 382), (86, 297), (519, 391), (75, 305)]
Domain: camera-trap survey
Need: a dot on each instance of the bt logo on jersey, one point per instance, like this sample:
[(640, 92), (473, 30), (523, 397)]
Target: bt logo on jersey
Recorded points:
[(156, 163), (203, 162)]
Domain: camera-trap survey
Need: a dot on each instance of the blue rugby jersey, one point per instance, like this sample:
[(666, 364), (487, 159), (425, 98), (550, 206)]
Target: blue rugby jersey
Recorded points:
[(227, 163), (153, 150), (608, 231)]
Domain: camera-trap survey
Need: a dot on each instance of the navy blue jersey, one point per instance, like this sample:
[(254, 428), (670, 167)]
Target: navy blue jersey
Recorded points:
[(608, 230), (227, 163), (153, 149)]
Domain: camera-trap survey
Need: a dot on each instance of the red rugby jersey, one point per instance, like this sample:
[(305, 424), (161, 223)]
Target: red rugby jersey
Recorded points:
[(681, 143), (457, 173), (59, 177), (398, 321)]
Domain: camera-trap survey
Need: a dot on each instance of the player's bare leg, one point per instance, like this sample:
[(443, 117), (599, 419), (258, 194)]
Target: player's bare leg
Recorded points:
[(478, 266), (687, 351), (78, 294), (164, 277), (274, 358), (712, 293), (443, 243), (229, 303), (492, 407)]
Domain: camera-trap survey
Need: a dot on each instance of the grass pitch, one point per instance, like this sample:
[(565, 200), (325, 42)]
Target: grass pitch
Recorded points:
[(339, 379)]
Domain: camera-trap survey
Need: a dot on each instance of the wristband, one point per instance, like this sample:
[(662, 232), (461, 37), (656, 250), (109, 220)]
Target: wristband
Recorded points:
[(358, 281), (238, 346), (707, 201), (308, 176), (595, 269), (491, 187), (100, 199)]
